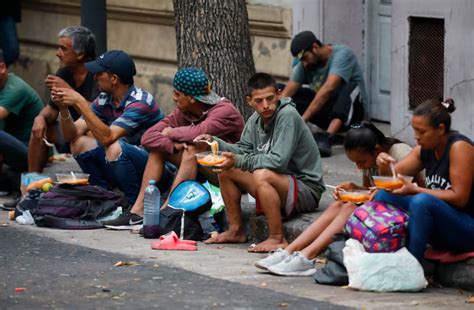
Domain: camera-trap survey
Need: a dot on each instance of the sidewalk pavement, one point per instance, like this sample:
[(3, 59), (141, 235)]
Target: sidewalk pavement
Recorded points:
[(233, 263)]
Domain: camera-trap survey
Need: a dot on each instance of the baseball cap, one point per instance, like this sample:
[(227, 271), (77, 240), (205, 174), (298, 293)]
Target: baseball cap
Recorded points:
[(194, 82), (301, 43), (114, 61)]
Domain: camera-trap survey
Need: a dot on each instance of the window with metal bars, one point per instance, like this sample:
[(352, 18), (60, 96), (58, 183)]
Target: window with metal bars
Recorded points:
[(426, 59)]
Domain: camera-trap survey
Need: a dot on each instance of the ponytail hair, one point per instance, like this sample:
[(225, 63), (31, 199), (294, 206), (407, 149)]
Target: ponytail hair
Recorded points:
[(437, 112), (365, 137)]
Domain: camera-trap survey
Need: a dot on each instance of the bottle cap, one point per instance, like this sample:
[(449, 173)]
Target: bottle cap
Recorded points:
[(152, 182)]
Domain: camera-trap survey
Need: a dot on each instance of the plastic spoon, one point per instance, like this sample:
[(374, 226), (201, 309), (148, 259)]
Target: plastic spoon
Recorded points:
[(392, 167), (335, 188), (47, 142), (204, 141), (73, 176)]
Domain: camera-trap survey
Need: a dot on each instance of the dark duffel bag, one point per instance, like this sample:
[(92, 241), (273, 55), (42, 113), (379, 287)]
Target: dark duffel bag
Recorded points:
[(75, 206)]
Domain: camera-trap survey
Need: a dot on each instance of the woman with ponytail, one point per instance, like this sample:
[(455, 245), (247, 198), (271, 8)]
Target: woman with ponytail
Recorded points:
[(362, 144), (442, 214)]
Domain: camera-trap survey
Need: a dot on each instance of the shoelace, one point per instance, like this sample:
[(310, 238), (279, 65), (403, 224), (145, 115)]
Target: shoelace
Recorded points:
[(297, 253), (124, 214), (290, 257)]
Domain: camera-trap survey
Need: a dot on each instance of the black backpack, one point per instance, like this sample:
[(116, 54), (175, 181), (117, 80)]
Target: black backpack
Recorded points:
[(334, 272), (68, 206)]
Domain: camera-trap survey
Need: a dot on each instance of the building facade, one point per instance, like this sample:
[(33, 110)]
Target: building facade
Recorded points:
[(411, 50)]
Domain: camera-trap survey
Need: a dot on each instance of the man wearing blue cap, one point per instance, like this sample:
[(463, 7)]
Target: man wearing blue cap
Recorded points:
[(337, 88), (198, 110), (104, 141)]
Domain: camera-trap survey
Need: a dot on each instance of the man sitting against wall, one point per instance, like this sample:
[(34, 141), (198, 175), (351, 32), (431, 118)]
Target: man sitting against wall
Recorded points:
[(19, 105), (105, 140), (337, 89), (76, 46), (276, 161), (198, 110)]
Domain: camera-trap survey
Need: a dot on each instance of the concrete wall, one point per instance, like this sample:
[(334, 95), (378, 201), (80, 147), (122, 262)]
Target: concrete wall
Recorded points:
[(458, 64), (145, 29), (343, 22), (333, 21)]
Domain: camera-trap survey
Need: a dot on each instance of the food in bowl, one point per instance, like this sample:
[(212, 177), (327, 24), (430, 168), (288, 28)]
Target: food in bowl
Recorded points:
[(390, 183), (209, 159), (215, 148), (74, 178), (356, 196)]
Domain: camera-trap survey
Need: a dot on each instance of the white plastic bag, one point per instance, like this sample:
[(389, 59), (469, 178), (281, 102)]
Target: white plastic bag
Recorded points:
[(382, 272)]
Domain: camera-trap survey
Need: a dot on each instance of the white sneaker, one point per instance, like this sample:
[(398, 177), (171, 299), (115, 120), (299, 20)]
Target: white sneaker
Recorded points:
[(294, 265), (273, 258)]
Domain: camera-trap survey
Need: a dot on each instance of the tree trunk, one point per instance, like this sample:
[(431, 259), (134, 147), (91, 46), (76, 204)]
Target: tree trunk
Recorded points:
[(214, 35)]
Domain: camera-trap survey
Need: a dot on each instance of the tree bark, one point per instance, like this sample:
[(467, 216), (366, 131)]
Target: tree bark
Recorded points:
[(214, 35)]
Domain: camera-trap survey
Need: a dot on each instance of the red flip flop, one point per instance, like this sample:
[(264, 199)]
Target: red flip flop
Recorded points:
[(192, 242), (172, 242)]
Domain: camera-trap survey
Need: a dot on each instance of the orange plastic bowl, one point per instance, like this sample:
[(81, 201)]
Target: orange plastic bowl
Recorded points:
[(78, 178), (208, 159), (357, 196), (390, 183)]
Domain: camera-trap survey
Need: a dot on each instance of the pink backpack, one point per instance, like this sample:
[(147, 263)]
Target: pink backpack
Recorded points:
[(379, 226)]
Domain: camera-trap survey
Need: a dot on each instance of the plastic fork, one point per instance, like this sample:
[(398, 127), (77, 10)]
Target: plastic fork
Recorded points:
[(47, 142)]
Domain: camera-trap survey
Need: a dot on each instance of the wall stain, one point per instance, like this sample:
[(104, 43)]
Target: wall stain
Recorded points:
[(263, 50)]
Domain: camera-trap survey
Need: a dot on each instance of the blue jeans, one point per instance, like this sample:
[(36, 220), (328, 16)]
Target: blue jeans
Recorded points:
[(15, 152), (9, 40), (433, 221), (126, 171)]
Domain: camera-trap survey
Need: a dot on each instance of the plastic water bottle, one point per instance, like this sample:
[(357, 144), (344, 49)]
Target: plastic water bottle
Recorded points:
[(151, 218)]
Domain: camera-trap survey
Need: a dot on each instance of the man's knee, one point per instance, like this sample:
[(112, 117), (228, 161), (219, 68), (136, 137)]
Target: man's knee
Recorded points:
[(263, 176), (242, 179), (82, 144), (225, 175), (113, 151), (155, 159)]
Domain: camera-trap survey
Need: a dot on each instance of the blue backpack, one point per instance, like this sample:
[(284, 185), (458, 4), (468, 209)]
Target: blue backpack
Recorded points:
[(191, 197), (187, 201)]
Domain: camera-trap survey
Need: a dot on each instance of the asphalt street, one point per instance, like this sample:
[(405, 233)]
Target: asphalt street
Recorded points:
[(39, 272)]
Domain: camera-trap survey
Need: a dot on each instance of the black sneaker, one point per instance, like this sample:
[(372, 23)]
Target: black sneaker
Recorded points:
[(324, 142), (125, 219)]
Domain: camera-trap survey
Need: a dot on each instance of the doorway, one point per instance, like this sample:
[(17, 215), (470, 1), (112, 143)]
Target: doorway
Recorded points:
[(378, 58)]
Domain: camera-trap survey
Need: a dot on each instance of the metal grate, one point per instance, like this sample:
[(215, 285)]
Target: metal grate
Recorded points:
[(426, 59)]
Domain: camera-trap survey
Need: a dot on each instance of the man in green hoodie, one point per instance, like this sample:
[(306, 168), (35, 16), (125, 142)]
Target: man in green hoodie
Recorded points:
[(276, 161)]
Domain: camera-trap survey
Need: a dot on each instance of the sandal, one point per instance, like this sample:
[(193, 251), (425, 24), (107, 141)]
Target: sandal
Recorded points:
[(172, 242)]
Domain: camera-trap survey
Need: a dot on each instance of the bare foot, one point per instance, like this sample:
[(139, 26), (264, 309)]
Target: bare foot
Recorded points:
[(271, 244), (228, 237)]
